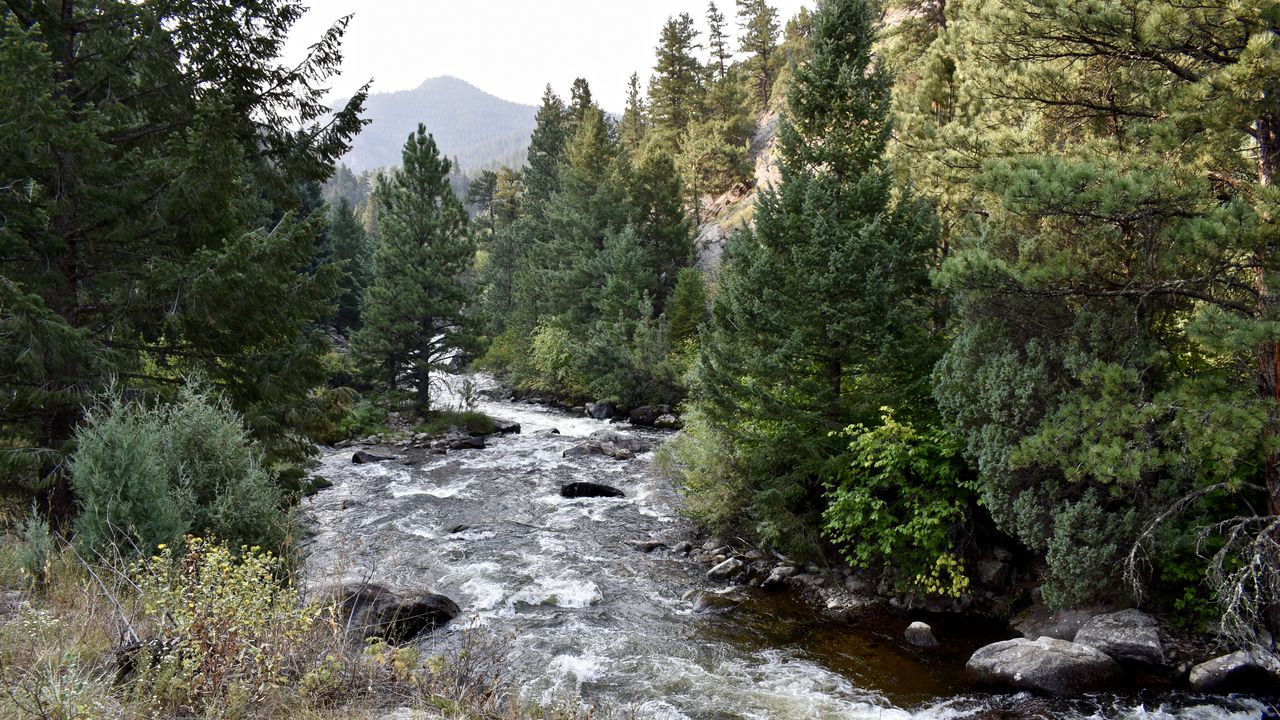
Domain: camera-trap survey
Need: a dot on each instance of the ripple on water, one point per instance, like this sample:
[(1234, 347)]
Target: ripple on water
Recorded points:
[(560, 592)]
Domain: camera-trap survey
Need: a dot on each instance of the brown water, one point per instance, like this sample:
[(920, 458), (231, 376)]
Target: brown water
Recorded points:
[(588, 617)]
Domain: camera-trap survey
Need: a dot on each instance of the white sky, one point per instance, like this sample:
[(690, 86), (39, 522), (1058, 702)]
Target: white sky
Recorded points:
[(510, 48)]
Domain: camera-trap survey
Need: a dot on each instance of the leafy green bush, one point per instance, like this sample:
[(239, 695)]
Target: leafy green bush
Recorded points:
[(470, 420), (145, 475), (898, 498)]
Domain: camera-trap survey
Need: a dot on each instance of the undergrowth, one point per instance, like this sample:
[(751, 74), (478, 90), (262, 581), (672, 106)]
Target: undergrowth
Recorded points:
[(200, 631)]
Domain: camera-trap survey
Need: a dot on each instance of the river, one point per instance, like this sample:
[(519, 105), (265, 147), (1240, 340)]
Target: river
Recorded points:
[(583, 615)]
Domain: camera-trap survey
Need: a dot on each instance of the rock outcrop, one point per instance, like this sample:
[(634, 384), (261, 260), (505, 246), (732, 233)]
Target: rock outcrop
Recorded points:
[(397, 616), (1128, 636), (1246, 671), (609, 443)]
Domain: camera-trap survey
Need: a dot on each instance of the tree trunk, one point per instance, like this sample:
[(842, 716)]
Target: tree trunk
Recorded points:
[(1269, 353)]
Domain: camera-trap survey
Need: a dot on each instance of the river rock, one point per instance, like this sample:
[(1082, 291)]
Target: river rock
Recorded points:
[(1246, 671), (994, 573), (646, 545), (609, 443), (920, 635), (669, 422), (1046, 665), (467, 443), (362, 458), (601, 410), (727, 569), (511, 428), (397, 616), (711, 602), (684, 547), (590, 490), (1127, 636), (779, 576), (1043, 621), (647, 415)]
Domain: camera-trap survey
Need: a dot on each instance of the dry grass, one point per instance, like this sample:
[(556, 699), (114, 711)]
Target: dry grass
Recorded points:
[(197, 655)]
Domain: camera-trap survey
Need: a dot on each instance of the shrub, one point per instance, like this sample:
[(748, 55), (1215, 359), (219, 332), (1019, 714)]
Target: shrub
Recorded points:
[(898, 498), (147, 474)]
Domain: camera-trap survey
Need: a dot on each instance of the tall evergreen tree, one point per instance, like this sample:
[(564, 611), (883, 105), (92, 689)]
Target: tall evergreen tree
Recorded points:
[(635, 120), (819, 318), (150, 152), (481, 195), (413, 312), (675, 89), (718, 42), (759, 24), (349, 246), (546, 150)]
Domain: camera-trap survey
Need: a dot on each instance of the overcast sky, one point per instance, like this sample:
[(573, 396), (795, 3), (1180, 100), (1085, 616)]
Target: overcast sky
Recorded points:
[(510, 48)]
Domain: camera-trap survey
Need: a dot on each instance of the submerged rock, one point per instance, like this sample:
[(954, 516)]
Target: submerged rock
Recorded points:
[(1127, 636), (590, 490), (397, 616), (646, 545), (361, 458), (1045, 665), (920, 635), (609, 443)]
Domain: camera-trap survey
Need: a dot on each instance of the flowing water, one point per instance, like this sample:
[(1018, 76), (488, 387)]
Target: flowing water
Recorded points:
[(588, 616)]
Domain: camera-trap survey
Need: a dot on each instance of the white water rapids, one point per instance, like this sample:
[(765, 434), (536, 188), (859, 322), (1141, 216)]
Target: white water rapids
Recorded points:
[(588, 616)]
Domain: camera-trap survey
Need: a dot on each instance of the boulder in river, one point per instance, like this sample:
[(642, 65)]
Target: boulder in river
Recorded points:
[(646, 545), (920, 635), (779, 576), (1045, 665), (1043, 621), (467, 443), (601, 410), (590, 490), (1246, 671), (669, 422), (509, 428), (728, 569), (362, 458), (609, 443), (647, 415), (1128, 636), (397, 616)]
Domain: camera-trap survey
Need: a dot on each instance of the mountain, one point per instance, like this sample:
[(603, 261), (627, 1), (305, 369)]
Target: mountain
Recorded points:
[(480, 130)]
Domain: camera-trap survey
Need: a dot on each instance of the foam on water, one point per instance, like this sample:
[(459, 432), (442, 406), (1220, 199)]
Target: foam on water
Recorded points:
[(561, 592)]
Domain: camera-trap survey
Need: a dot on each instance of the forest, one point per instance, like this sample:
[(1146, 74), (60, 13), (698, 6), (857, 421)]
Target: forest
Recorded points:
[(1015, 283)]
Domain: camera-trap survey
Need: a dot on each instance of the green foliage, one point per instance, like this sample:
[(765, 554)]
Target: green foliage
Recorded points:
[(759, 24), (474, 422), (348, 244), (148, 474), (158, 217), (899, 498), (37, 549), (687, 309)]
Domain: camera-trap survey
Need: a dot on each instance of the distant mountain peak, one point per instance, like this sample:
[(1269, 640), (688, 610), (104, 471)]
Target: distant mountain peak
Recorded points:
[(480, 129)]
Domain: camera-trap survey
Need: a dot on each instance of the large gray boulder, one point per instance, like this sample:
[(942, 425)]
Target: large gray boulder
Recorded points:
[(601, 410), (609, 443), (1246, 671), (1128, 636), (647, 415), (1046, 665), (397, 616)]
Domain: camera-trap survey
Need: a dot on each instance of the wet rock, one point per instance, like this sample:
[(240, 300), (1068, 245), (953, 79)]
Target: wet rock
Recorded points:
[(647, 415), (547, 433), (397, 616), (343, 444), (362, 458), (920, 635), (718, 603), (857, 585), (609, 443), (646, 545), (1043, 621), (728, 569), (601, 410), (467, 443), (590, 490), (1048, 665), (683, 548), (1127, 636), (314, 484), (778, 577), (1246, 671), (669, 422)]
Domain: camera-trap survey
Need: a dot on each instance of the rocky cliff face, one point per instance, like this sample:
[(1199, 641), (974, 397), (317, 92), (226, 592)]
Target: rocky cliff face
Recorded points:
[(736, 207)]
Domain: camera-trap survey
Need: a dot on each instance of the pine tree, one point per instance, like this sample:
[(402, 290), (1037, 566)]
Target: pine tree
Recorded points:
[(157, 230), (481, 195), (413, 312), (635, 120), (759, 24), (819, 317), (688, 307), (676, 87), (349, 246), (546, 150), (718, 42)]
